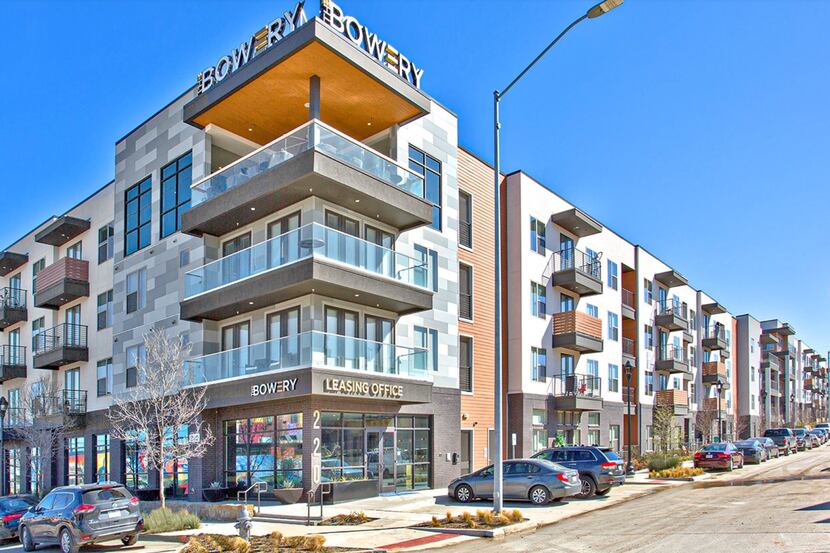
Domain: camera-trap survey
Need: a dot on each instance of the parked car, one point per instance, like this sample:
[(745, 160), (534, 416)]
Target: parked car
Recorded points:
[(783, 438), (752, 450), (804, 440), (823, 425), (12, 508), (72, 516), (773, 452), (822, 434), (534, 480), (722, 455), (600, 468)]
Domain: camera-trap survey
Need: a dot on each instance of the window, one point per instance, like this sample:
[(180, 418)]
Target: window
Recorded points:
[(465, 219), (75, 461), (593, 436), (649, 336), (538, 364), (566, 303), (539, 435), (137, 206), (692, 391), (75, 251), (465, 363), (426, 273), (593, 368), (136, 290), (105, 310), (614, 437), (102, 457), (566, 364), (613, 281), (465, 291), (104, 377), (752, 345), (538, 300), (38, 328), (175, 193), (106, 242), (692, 319), (592, 310), (135, 355), (613, 377), (537, 236), (37, 267), (429, 168), (15, 414), (427, 338), (752, 374), (648, 295), (649, 383), (270, 449), (613, 326)]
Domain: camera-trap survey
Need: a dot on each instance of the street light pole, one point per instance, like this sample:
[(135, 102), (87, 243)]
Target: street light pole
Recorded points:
[(719, 387), (595, 11), (629, 469), (4, 405)]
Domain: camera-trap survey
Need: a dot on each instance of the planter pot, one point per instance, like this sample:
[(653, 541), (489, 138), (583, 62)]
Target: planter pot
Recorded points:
[(147, 494), (214, 494), (288, 496), (351, 490)]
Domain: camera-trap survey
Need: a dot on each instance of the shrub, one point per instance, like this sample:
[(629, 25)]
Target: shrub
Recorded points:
[(305, 543), (516, 515), (676, 472), (663, 462), (449, 517), (165, 520), (233, 544), (467, 519), (435, 523)]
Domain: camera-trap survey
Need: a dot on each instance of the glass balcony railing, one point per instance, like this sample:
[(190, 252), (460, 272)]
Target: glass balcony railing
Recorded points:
[(312, 240), (313, 135), (311, 349)]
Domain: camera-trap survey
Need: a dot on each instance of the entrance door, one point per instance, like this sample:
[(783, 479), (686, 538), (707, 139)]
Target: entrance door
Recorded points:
[(466, 456), (380, 458)]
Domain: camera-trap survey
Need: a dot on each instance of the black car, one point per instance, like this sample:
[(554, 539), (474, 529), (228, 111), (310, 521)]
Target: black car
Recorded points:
[(12, 508), (72, 516), (600, 468), (773, 452), (753, 450)]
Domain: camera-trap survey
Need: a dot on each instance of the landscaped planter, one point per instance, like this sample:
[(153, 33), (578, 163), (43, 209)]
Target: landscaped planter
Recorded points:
[(351, 490), (288, 496), (214, 494)]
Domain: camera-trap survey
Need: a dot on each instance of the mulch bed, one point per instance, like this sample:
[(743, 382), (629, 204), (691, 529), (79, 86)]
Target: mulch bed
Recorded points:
[(347, 520)]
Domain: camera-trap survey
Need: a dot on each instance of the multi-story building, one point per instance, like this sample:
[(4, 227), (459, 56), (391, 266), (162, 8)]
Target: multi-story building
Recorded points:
[(751, 377)]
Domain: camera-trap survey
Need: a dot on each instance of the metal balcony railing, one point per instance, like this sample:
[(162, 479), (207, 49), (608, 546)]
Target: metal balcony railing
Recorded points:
[(12, 298), (574, 259), (64, 403), (65, 335), (312, 349), (669, 307), (717, 331), (577, 385), (629, 298), (672, 353), (312, 240), (12, 356), (314, 135), (629, 346)]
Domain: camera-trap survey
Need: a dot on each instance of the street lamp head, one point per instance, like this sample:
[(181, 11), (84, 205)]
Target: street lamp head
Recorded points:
[(602, 8)]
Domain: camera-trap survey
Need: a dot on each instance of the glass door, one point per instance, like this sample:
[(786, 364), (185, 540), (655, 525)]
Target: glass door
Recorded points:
[(72, 334), (342, 345), (72, 387), (340, 246), (380, 259), (284, 338), (566, 253), (380, 345), (235, 340), (287, 248), (380, 458), (238, 266)]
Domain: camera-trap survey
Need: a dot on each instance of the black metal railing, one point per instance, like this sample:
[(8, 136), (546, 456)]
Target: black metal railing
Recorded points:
[(577, 385), (12, 298), (65, 335), (715, 331), (65, 403), (669, 307), (572, 258), (465, 306), (12, 356), (672, 353), (629, 346)]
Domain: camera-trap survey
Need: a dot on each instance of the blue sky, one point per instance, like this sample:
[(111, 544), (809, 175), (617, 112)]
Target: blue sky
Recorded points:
[(696, 128)]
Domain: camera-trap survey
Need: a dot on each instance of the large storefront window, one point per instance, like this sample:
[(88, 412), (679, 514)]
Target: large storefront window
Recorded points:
[(102, 457), (176, 470), (265, 449), (75, 461), (15, 471), (135, 464), (35, 472), (350, 449)]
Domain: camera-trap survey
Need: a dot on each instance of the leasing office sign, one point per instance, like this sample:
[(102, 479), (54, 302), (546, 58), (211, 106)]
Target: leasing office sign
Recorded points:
[(255, 45), (387, 55)]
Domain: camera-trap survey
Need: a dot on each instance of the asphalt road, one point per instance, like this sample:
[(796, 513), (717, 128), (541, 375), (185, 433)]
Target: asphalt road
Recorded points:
[(783, 507), (109, 547)]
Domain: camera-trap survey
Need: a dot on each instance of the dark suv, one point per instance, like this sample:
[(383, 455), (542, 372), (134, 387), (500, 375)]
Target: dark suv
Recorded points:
[(72, 516), (599, 468), (784, 438)]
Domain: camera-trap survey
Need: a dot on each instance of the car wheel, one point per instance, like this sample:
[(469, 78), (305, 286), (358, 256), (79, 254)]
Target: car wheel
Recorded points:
[(588, 487), (731, 465), (606, 491), (464, 493), (67, 542), (130, 540), (539, 495), (26, 540)]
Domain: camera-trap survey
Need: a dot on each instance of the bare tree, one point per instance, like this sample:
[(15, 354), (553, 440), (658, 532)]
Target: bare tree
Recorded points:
[(705, 419), (153, 414), (661, 425), (42, 418)]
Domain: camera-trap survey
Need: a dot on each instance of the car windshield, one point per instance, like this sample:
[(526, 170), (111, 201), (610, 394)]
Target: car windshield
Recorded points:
[(105, 495), (15, 504), (776, 432), (800, 432), (746, 443), (762, 440), (715, 447)]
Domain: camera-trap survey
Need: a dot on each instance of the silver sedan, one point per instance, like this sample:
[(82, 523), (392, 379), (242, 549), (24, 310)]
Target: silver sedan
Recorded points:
[(534, 480)]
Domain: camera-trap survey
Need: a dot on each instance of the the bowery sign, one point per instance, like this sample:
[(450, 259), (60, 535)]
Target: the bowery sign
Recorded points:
[(364, 389), (386, 54), (274, 387), (248, 50)]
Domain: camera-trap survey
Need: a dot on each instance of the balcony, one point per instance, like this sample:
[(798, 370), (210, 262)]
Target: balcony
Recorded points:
[(60, 345), (10, 261), (576, 392), (714, 338), (671, 359), (629, 351), (62, 282), (575, 271), (12, 307), (577, 331), (688, 337), (714, 404), (671, 278), (676, 400), (576, 222), (12, 362), (56, 408), (671, 316), (311, 259), (312, 160), (772, 362), (61, 230), (714, 371), (629, 393), (313, 355), (808, 383), (629, 304)]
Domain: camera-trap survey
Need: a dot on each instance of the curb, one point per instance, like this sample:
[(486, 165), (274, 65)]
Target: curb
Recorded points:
[(481, 532)]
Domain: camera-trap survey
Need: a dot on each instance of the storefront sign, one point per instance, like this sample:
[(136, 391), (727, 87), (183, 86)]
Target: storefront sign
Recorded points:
[(248, 50), (274, 387), (386, 54), (363, 389)]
